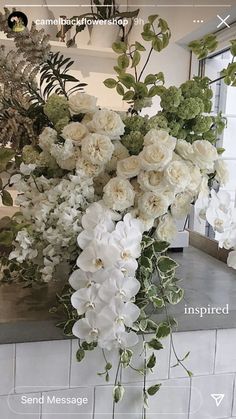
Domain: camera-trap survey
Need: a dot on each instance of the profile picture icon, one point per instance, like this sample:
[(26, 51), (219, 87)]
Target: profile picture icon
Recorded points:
[(17, 21)]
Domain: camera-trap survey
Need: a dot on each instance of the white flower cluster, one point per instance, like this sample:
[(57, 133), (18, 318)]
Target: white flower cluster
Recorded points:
[(222, 217), (160, 183), (24, 247), (105, 282), (54, 208)]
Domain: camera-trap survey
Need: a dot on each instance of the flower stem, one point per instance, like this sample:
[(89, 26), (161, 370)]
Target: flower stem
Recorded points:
[(116, 381)]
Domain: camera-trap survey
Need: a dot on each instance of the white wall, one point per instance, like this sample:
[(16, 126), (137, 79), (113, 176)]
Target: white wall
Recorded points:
[(50, 369)]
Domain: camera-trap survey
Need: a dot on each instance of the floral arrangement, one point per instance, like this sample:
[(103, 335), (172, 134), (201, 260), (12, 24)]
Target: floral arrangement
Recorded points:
[(100, 193)]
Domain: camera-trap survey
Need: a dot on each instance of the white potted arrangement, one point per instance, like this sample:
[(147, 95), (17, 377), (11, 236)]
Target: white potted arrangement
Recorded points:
[(105, 23)]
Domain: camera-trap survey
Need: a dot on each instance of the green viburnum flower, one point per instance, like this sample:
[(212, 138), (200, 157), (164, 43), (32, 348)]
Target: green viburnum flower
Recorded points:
[(202, 124), (46, 160), (157, 121), (171, 99), (210, 136), (175, 127), (62, 124), (56, 108), (134, 123), (190, 108), (133, 142), (30, 154)]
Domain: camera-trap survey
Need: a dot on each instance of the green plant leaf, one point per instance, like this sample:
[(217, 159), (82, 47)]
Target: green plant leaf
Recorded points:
[(152, 361), (6, 154), (139, 47), (6, 238), (136, 59), (128, 80), (155, 344), (128, 95), (152, 18), (160, 246), (123, 61), (119, 47), (163, 330), (80, 354), (126, 357), (150, 79), (110, 83), (120, 89), (6, 198), (154, 389), (166, 264), (155, 91), (5, 222)]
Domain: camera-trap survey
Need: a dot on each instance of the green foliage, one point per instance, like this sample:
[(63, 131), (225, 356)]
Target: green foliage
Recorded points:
[(138, 93), (151, 361), (6, 154), (166, 264), (155, 344), (229, 74), (202, 47), (126, 357), (163, 330), (80, 354), (153, 389), (54, 76)]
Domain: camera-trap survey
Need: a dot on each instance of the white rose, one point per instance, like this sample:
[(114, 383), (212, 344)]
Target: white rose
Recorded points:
[(155, 136), (75, 132), (120, 152), (222, 173), (152, 181), (231, 261), (147, 222), (177, 175), (118, 194), (184, 149), (196, 178), (108, 123), (47, 138), (82, 103), (204, 154), (97, 148), (86, 169), (129, 167), (155, 157), (153, 205), (166, 229), (181, 205)]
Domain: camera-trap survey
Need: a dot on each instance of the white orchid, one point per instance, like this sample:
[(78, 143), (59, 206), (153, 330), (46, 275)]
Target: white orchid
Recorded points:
[(97, 256), (118, 285), (87, 328), (86, 299)]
